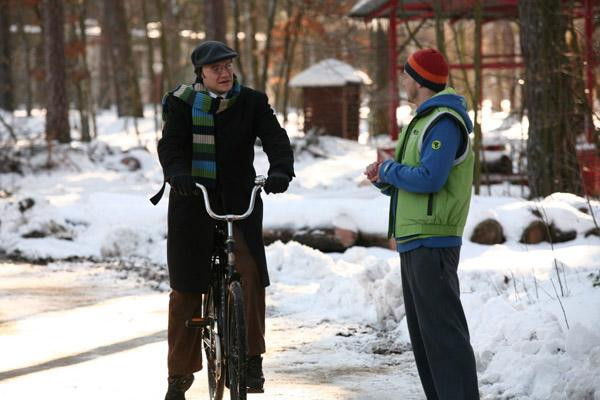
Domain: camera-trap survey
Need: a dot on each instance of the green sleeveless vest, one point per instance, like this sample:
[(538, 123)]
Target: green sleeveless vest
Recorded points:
[(422, 215)]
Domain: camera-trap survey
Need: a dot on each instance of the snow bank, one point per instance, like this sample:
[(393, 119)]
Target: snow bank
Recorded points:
[(94, 206)]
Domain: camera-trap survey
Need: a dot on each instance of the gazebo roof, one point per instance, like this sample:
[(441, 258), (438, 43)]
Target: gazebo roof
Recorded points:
[(416, 9), (329, 72)]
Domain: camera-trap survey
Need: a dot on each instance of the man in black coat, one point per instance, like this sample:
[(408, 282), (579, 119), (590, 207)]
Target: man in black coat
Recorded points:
[(209, 133)]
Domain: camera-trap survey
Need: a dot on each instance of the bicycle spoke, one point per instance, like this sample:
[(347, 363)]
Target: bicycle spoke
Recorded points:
[(212, 349)]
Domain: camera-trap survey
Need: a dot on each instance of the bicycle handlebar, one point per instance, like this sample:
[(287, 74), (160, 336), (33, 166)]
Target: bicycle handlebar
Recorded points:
[(259, 182)]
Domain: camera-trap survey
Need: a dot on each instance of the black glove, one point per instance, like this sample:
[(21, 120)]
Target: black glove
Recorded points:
[(183, 184), (277, 182)]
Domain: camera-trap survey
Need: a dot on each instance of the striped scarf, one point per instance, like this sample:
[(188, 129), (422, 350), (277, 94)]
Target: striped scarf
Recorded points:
[(204, 108)]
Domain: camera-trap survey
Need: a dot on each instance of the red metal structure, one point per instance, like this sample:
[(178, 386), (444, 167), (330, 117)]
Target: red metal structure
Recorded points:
[(407, 10)]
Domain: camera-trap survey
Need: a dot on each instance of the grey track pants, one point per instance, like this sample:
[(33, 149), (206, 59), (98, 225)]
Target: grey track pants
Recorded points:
[(437, 325)]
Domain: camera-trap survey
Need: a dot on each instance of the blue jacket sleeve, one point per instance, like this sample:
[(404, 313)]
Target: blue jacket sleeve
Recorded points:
[(436, 160), (384, 188)]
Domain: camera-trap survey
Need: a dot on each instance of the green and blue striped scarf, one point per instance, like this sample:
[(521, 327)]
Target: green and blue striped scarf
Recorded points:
[(204, 108)]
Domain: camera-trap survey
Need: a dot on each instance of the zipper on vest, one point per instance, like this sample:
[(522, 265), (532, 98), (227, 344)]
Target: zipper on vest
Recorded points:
[(406, 137), (430, 204), (392, 216)]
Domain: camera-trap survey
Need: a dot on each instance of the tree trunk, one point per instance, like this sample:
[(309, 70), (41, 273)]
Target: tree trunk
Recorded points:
[(123, 64), (26, 59), (267, 54), (582, 109), (287, 36), (379, 98), (152, 89), (6, 79), (440, 37), (549, 100), (39, 57), (167, 78), (214, 20), (57, 105), (290, 61), (87, 83), (251, 46), (235, 10), (170, 21), (79, 75), (106, 96)]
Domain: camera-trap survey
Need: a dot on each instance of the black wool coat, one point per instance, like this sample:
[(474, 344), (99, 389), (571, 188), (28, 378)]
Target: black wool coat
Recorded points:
[(190, 235)]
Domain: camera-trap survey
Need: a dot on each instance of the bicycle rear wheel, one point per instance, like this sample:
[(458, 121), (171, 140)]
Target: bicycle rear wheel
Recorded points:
[(236, 360), (213, 348)]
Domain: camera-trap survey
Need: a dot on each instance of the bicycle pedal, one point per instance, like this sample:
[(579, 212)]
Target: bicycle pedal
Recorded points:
[(197, 322)]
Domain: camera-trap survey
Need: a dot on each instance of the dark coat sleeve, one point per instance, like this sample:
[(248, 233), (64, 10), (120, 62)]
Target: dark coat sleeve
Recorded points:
[(275, 141), (174, 148)]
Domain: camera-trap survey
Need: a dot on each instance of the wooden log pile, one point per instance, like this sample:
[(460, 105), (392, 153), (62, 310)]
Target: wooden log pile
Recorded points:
[(487, 232)]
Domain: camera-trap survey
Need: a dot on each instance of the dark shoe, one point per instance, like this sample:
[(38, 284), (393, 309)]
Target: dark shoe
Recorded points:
[(255, 379), (178, 386)]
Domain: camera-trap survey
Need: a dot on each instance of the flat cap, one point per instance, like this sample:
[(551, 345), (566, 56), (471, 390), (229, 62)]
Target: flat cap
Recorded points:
[(210, 52)]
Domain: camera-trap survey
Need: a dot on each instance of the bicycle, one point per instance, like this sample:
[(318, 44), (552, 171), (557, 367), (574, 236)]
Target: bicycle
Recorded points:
[(222, 317)]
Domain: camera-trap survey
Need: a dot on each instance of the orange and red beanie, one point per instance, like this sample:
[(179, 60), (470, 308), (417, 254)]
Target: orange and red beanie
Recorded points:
[(429, 68)]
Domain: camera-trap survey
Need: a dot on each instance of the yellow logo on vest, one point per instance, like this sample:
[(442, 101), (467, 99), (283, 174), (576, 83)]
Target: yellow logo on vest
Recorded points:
[(436, 144)]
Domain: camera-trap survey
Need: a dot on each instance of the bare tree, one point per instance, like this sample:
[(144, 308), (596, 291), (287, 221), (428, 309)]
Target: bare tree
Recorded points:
[(235, 11), (123, 64), (6, 80), (251, 45), (549, 99), (289, 60), (440, 38), (26, 49), (214, 20), (379, 99), (105, 97), (152, 86), (57, 104), (79, 74), (169, 12), (267, 53)]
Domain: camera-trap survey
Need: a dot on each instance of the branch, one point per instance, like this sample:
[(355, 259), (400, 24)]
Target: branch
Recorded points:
[(11, 131)]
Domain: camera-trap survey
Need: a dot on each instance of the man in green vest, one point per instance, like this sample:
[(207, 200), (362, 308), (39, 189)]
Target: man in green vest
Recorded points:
[(429, 182)]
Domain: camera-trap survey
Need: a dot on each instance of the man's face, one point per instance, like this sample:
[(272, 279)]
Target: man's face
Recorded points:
[(218, 77), (410, 87)]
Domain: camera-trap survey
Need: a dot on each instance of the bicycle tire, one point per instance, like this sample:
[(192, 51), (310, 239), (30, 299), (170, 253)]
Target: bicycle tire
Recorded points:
[(213, 349), (236, 357)]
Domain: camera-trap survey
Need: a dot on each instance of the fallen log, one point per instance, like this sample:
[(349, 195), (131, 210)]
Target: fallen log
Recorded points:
[(538, 231), (328, 239), (488, 231)]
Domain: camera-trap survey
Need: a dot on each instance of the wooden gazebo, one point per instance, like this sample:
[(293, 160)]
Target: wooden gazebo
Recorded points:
[(331, 98), (397, 11)]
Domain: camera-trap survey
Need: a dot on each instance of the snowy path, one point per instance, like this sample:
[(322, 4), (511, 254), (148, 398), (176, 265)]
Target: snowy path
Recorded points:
[(72, 332)]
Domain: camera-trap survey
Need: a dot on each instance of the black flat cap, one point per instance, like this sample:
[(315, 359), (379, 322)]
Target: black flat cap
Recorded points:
[(210, 52)]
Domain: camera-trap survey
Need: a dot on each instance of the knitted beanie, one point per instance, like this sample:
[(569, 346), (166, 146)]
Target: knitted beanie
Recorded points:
[(429, 68)]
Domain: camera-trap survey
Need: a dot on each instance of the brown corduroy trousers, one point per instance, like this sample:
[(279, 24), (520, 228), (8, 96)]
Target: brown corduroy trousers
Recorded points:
[(185, 344)]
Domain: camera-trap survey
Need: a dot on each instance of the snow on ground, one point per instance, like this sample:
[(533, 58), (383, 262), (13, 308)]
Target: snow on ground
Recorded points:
[(336, 321)]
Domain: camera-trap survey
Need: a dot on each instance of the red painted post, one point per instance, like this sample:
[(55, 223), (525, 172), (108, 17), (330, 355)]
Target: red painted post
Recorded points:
[(589, 67), (393, 91)]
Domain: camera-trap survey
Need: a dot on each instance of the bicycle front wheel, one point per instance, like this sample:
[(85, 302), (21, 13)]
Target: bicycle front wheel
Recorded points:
[(213, 348), (236, 360)]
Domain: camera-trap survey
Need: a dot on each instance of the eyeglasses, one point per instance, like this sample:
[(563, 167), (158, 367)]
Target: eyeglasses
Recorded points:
[(218, 69)]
